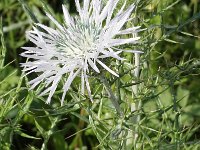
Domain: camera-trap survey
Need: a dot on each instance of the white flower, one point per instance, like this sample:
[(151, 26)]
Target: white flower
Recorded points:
[(77, 44)]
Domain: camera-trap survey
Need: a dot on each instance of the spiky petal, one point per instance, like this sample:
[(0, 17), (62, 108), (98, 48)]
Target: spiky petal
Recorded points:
[(76, 45)]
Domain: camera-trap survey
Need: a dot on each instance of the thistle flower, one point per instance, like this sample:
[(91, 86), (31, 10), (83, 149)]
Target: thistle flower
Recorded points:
[(77, 45)]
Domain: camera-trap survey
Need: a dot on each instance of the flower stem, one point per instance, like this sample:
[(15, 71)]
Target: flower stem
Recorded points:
[(49, 133), (137, 105), (111, 95)]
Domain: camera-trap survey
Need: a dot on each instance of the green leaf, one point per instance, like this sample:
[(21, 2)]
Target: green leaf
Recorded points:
[(193, 109), (85, 119), (26, 135), (189, 34), (187, 119), (150, 105), (172, 41), (41, 130), (58, 141), (6, 135), (182, 95), (166, 98), (192, 19), (28, 11)]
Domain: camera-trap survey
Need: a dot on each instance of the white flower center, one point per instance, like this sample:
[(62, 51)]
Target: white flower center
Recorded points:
[(79, 41)]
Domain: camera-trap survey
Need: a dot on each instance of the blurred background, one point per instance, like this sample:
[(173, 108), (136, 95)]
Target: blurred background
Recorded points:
[(173, 30)]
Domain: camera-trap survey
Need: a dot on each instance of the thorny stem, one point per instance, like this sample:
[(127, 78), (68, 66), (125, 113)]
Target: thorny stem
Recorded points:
[(49, 133), (177, 114), (111, 95), (80, 127), (135, 106)]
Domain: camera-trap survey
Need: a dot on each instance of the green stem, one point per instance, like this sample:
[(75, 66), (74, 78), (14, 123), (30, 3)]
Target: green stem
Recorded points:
[(111, 95), (3, 49), (49, 133), (28, 11), (135, 106), (177, 113)]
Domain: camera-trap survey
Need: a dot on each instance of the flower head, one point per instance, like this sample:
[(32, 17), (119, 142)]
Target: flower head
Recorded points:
[(78, 44)]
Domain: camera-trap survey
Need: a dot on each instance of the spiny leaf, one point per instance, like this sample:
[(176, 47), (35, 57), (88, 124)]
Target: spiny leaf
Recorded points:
[(41, 130), (26, 135), (28, 11)]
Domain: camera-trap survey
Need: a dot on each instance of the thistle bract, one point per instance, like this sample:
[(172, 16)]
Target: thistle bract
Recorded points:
[(76, 46)]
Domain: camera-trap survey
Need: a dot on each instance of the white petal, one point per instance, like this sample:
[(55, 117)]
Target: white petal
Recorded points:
[(32, 37), (122, 8), (110, 11), (33, 70), (133, 51), (53, 88), (110, 53), (67, 16), (117, 42), (71, 77), (29, 68), (129, 51), (41, 77), (104, 12), (82, 82), (130, 30), (34, 85), (48, 29), (66, 86), (49, 80), (54, 21), (107, 68), (96, 10), (78, 8), (93, 65), (38, 34), (86, 6), (117, 23), (88, 86)]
